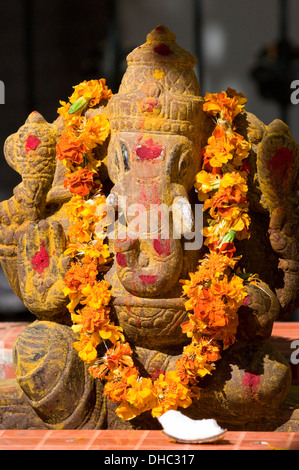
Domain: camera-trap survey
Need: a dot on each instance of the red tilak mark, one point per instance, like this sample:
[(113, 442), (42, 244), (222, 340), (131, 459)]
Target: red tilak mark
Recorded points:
[(150, 105), (162, 247), (121, 260), (281, 162), (150, 151), (251, 380), (163, 49), (247, 301), (31, 143), (148, 279), (40, 260), (156, 373)]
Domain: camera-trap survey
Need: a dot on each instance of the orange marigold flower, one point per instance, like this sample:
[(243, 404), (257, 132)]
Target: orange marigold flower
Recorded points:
[(90, 319), (219, 150), (213, 265), (95, 131), (225, 104), (241, 146), (70, 148), (98, 251), (115, 388), (79, 276), (196, 361), (80, 182), (230, 195), (118, 357)]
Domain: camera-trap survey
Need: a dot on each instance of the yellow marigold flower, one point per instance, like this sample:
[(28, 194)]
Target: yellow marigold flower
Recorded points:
[(242, 148), (80, 231), (239, 221), (111, 332), (74, 207), (86, 347), (232, 290), (93, 91), (170, 393), (126, 412), (215, 232), (74, 297), (95, 131), (98, 295), (72, 122), (141, 394), (235, 180), (206, 182), (98, 250)]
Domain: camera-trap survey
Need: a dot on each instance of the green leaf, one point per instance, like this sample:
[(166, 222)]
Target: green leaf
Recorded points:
[(228, 237), (77, 105)]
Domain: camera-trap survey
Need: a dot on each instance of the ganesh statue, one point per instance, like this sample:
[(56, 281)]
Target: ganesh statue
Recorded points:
[(155, 237)]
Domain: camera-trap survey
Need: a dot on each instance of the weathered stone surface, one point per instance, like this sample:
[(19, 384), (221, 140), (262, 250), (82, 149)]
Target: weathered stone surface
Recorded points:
[(157, 131)]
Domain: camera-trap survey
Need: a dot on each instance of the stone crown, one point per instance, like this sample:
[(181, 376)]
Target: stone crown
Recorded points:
[(159, 91)]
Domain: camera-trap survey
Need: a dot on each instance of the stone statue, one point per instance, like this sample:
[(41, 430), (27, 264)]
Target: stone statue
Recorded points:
[(158, 128)]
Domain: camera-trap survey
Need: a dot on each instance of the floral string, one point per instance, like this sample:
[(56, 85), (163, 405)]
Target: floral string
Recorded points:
[(213, 293)]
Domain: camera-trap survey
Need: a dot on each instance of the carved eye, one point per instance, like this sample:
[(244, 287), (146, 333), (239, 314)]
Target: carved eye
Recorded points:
[(125, 155), (184, 163)]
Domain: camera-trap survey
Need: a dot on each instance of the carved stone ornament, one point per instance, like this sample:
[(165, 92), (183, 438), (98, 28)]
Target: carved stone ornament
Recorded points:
[(154, 152)]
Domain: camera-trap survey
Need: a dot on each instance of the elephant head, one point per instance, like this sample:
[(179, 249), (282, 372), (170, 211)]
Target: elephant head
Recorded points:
[(153, 156)]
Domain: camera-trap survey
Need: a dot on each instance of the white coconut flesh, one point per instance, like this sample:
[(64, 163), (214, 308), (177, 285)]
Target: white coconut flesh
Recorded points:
[(184, 429)]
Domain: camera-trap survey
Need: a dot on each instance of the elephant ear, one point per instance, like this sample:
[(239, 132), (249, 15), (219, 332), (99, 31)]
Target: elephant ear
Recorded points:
[(278, 168)]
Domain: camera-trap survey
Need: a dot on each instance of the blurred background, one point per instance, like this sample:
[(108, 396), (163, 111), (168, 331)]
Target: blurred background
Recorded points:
[(46, 47)]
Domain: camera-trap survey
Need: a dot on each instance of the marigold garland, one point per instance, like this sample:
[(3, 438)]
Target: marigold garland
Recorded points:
[(214, 292)]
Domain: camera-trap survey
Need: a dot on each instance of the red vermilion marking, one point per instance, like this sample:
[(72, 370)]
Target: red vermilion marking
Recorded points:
[(148, 279), (162, 247), (281, 162), (163, 49), (150, 151), (121, 260), (40, 260), (156, 373), (247, 301), (150, 105), (251, 380), (31, 143)]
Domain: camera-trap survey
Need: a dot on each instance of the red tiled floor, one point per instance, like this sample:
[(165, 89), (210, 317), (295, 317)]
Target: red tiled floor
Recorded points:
[(113, 440), (8, 334)]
